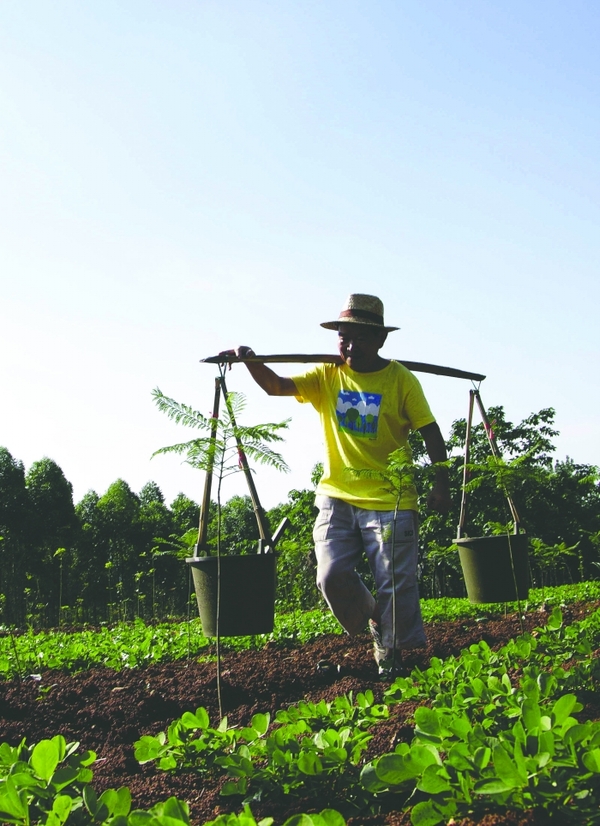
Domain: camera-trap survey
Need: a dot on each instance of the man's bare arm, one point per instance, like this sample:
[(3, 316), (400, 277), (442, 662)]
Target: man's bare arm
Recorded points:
[(266, 378), (439, 497)]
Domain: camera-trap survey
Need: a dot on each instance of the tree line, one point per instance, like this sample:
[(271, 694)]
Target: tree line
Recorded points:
[(120, 555)]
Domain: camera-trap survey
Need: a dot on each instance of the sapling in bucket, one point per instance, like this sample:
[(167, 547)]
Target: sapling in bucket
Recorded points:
[(496, 567), (235, 593)]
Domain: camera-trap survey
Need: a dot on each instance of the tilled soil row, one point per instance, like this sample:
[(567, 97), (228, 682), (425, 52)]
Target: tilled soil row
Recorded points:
[(107, 711)]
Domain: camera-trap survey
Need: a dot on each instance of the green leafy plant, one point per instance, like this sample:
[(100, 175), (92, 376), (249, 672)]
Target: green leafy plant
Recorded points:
[(488, 741), (308, 743), (328, 817), (49, 783), (456, 767), (221, 452), (550, 558)]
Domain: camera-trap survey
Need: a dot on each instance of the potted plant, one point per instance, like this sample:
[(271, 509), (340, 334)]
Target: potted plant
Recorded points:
[(235, 593), (496, 566)]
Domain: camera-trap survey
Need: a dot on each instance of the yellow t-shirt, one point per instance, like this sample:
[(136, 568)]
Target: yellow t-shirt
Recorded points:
[(365, 416)]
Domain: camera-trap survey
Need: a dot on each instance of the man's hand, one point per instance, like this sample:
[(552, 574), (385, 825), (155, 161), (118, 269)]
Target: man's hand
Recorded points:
[(270, 382), (439, 496), (240, 352)]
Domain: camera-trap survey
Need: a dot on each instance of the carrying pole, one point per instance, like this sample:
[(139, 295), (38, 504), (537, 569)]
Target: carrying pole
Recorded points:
[(326, 358), (466, 474), (496, 453), (204, 509), (264, 530)]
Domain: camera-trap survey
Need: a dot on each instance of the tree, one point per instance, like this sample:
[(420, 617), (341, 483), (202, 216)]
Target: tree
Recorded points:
[(239, 529), (296, 564), (14, 520), (159, 575), (186, 513), (119, 510), (151, 493), (91, 560), (53, 525)]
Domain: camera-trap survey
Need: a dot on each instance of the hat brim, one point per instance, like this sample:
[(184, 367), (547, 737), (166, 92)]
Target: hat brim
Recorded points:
[(335, 325)]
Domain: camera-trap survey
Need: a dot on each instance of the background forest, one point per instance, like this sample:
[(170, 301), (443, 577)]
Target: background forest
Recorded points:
[(120, 555)]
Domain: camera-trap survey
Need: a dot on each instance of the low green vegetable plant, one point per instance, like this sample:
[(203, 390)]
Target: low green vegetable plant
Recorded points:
[(307, 743), (49, 783), (455, 767), (328, 817), (487, 742)]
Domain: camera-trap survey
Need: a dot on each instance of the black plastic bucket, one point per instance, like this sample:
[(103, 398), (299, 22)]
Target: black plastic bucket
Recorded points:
[(487, 570), (247, 604)]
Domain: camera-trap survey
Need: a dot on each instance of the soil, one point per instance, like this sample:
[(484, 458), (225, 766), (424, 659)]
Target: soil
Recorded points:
[(107, 711)]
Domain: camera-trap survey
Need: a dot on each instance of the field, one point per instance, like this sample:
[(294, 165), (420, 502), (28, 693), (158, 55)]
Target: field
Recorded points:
[(108, 710)]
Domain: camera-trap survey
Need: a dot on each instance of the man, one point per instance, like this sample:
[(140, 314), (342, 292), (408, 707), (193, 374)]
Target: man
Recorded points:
[(367, 406)]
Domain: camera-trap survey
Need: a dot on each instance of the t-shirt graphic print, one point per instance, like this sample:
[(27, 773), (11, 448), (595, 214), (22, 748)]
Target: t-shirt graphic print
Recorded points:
[(358, 413)]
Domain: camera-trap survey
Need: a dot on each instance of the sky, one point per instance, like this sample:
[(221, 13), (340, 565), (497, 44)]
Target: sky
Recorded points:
[(181, 177)]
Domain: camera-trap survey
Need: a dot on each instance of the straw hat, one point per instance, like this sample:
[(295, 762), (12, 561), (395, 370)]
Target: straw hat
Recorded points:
[(361, 309)]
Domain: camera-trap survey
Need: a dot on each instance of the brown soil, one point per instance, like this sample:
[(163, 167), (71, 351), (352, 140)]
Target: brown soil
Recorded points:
[(107, 711)]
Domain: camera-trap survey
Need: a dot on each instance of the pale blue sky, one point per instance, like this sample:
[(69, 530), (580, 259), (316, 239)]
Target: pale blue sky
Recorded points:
[(180, 177)]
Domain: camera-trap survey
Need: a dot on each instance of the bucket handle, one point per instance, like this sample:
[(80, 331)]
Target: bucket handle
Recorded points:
[(266, 543), (474, 396)]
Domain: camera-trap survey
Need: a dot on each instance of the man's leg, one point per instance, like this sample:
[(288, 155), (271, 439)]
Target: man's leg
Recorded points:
[(339, 548), (376, 529)]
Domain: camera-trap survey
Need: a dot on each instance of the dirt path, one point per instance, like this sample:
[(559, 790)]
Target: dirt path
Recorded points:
[(106, 711)]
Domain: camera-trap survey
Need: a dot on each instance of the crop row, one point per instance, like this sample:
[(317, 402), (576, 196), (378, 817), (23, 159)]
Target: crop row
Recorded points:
[(483, 738), (129, 645), (50, 783)]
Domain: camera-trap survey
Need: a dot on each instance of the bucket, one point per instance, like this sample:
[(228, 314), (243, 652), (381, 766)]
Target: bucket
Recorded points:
[(488, 574), (247, 604)]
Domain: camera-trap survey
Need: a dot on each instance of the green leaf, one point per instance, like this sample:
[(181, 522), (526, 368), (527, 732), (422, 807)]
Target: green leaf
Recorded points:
[(46, 756), (426, 814), (461, 727), (309, 763), (172, 812), (233, 787), (330, 817), (61, 809), (260, 723), (65, 776), (506, 770), (139, 818), (555, 620), (433, 781), (199, 720), (176, 809), (122, 805), (167, 763), (591, 760), (428, 721), (482, 756), (112, 803), (563, 707), (577, 733), (492, 786), (370, 781), (532, 716), (394, 769), (12, 803), (90, 800)]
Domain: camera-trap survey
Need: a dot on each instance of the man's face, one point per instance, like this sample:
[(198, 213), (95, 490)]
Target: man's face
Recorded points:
[(358, 345)]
